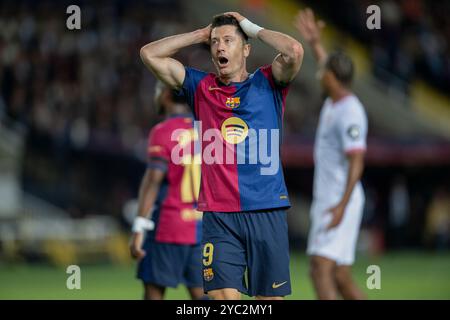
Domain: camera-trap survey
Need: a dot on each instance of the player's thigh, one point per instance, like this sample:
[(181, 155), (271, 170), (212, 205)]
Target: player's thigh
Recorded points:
[(197, 293), (224, 294), (322, 241), (268, 254), (223, 253), (349, 232), (268, 298), (319, 219), (153, 292)]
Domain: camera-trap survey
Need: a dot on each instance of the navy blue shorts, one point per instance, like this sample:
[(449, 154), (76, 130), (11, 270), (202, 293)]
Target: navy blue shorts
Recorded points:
[(248, 251), (168, 265)]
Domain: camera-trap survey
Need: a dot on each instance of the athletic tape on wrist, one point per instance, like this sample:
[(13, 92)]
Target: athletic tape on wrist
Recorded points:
[(251, 29), (141, 224)]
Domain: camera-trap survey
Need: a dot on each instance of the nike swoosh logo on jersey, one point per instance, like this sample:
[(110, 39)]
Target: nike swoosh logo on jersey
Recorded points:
[(213, 88), (277, 285)]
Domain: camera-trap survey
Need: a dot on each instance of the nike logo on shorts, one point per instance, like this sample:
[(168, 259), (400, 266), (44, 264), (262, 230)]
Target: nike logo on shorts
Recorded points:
[(277, 285)]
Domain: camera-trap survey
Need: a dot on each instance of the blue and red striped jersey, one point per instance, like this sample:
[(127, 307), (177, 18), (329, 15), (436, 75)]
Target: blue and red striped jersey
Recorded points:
[(240, 125), (175, 215)]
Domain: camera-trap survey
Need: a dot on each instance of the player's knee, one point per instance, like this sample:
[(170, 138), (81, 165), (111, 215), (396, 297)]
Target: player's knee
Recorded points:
[(197, 294), (343, 276), (319, 269), (153, 292)]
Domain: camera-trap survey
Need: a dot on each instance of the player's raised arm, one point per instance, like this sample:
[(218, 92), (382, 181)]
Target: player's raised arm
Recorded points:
[(286, 64), (157, 55), (310, 29)]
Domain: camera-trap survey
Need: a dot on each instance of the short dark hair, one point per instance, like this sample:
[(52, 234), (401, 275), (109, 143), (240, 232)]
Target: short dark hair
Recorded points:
[(342, 67), (223, 20), (175, 96)]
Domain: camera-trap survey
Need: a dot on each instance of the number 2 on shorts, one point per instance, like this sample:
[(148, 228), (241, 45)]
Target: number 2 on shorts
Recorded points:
[(208, 251)]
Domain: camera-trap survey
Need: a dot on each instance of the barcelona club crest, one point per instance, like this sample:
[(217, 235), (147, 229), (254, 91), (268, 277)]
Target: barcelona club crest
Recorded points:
[(208, 274), (233, 102)]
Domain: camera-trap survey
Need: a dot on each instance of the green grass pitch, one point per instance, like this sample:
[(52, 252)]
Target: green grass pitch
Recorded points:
[(404, 275)]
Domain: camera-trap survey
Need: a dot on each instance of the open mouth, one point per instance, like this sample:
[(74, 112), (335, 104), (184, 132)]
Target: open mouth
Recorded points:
[(223, 61)]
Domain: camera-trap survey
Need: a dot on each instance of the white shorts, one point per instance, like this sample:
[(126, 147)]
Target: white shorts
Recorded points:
[(339, 243)]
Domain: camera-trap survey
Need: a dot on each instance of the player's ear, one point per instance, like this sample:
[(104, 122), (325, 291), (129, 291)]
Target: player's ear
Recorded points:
[(247, 48), (330, 80), (165, 95)]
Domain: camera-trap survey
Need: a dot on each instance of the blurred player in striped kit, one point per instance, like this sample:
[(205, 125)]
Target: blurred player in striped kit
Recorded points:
[(171, 253)]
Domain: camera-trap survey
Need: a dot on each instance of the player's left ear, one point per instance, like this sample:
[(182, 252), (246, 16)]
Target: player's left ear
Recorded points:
[(247, 48)]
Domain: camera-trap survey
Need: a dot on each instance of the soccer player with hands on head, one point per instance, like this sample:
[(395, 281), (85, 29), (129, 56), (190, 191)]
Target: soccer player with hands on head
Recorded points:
[(244, 202), (167, 216)]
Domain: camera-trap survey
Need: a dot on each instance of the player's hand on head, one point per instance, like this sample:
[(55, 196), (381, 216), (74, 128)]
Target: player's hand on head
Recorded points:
[(206, 33), (337, 213), (307, 25), (136, 245), (237, 15)]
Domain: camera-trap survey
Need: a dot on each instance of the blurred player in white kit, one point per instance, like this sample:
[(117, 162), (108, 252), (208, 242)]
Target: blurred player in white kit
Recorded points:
[(338, 197)]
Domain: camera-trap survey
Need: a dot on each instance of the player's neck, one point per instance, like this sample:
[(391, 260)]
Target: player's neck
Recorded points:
[(339, 94), (177, 109), (238, 77)]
